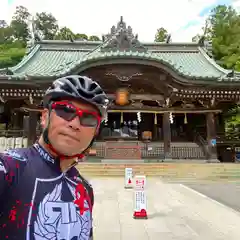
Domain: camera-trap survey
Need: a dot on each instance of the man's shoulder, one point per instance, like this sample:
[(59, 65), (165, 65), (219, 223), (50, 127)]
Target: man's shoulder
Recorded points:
[(14, 157), (17, 154)]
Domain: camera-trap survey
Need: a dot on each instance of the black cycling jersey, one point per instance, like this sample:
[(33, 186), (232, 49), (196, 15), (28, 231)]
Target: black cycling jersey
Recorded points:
[(40, 202)]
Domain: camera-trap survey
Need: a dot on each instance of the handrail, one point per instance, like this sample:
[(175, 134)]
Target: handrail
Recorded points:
[(202, 143)]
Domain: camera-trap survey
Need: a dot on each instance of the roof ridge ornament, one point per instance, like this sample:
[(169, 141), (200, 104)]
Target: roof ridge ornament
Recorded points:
[(6, 71), (34, 36), (121, 38)]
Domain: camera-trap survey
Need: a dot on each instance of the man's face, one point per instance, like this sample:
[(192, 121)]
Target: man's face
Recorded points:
[(69, 137)]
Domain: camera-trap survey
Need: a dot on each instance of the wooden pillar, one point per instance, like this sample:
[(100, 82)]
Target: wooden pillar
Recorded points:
[(32, 127), (14, 120), (211, 137), (167, 136), (155, 135), (221, 124)]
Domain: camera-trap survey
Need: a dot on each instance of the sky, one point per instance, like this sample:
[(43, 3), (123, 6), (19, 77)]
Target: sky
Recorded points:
[(182, 18)]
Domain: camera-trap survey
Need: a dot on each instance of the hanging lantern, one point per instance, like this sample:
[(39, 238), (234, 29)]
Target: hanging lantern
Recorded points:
[(122, 97), (185, 118), (155, 118)]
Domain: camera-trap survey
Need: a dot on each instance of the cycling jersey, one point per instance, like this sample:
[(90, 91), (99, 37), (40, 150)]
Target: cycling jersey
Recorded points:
[(40, 202)]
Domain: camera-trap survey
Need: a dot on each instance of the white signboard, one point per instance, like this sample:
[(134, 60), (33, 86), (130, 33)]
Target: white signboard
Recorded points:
[(128, 178), (140, 198)]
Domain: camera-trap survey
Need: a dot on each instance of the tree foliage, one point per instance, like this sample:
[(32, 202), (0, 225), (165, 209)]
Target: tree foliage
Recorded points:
[(161, 35), (222, 27), (47, 24), (14, 36)]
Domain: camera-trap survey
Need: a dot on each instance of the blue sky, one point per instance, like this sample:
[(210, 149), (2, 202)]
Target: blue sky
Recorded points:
[(204, 13), (182, 18), (206, 10)]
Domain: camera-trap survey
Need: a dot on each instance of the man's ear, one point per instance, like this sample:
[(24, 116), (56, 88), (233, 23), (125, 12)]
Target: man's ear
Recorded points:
[(44, 118)]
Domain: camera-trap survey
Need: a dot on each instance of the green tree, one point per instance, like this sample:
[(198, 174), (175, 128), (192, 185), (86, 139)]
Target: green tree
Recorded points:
[(47, 24), (223, 28), (5, 32), (19, 24), (161, 35), (81, 36), (232, 122), (94, 38), (64, 34), (11, 53)]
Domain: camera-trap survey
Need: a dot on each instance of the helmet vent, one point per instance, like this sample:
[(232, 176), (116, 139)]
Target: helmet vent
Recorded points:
[(85, 95), (93, 86), (82, 82), (71, 80)]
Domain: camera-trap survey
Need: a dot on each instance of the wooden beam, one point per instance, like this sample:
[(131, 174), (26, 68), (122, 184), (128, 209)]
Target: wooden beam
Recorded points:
[(162, 110), (146, 97)]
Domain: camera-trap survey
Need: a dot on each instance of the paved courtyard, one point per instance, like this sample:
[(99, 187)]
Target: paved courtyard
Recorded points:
[(175, 212), (227, 193)]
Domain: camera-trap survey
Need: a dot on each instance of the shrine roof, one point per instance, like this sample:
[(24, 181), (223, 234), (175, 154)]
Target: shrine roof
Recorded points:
[(55, 58)]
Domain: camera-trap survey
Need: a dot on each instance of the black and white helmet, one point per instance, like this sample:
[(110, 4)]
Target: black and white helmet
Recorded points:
[(79, 88)]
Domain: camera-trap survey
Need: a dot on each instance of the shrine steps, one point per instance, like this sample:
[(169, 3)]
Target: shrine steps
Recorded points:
[(168, 171)]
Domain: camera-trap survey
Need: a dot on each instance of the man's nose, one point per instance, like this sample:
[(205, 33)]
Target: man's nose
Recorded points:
[(75, 123)]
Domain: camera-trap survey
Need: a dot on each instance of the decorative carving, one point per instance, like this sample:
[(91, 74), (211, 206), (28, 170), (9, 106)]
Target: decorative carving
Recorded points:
[(167, 102), (6, 71), (137, 104), (2, 100), (188, 105), (122, 38), (213, 101), (30, 99), (35, 35), (231, 74), (123, 75), (169, 38)]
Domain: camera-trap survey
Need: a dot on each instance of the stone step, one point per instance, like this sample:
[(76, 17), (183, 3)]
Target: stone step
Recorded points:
[(172, 171)]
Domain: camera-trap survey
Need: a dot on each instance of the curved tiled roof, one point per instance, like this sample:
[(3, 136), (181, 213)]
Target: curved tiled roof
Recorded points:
[(55, 59)]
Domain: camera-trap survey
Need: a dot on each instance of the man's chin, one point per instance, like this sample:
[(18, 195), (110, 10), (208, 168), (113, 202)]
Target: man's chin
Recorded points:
[(68, 153)]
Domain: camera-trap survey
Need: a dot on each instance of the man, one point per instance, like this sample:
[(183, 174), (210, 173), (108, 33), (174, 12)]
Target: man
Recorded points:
[(42, 195)]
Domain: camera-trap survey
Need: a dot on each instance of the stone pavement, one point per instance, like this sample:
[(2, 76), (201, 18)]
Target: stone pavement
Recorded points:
[(175, 212), (227, 193)]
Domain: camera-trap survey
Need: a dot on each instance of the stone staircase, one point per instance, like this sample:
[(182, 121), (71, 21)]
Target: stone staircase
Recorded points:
[(168, 171)]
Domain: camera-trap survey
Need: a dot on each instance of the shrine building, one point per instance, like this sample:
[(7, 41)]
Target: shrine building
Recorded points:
[(166, 99)]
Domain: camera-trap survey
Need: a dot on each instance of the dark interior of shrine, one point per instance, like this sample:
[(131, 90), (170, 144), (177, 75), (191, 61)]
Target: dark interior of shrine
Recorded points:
[(129, 126)]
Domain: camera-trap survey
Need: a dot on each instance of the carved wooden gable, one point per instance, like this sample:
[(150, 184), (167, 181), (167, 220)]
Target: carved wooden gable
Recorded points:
[(121, 38)]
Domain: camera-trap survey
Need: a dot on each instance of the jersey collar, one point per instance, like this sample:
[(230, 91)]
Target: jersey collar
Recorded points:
[(43, 153), (49, 158)]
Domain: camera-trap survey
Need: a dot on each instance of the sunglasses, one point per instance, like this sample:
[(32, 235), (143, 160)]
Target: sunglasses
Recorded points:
[(68, 112)]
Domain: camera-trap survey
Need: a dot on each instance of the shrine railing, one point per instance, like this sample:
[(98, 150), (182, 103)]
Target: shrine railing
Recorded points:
[(151, 150)]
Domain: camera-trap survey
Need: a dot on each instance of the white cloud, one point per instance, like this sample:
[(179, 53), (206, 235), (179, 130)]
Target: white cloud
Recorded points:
[(95, 17), (236, 4)]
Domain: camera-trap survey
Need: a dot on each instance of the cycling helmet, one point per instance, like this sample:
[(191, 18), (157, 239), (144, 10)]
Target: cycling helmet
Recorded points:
[(79, 88)]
